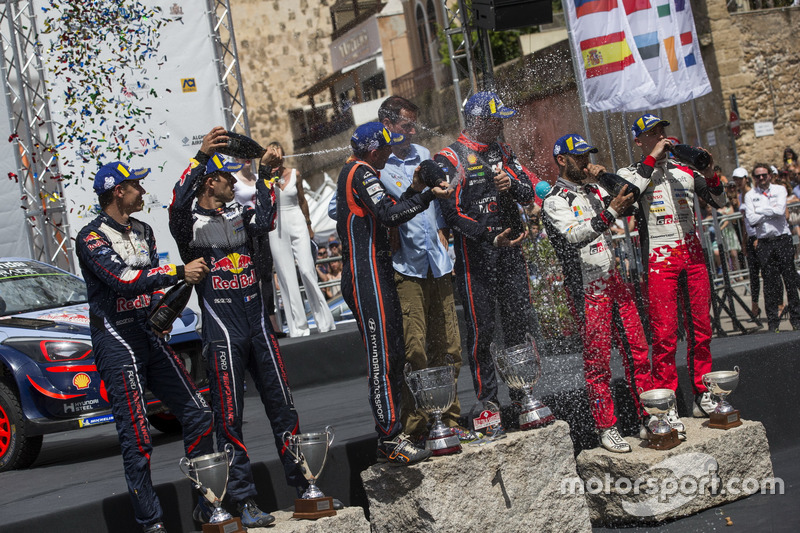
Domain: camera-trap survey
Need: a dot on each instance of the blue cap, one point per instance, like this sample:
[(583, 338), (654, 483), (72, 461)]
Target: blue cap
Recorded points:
[(217, 163), (112, 174), (572, 143), (373, 135), (487, 104), (646, 123)]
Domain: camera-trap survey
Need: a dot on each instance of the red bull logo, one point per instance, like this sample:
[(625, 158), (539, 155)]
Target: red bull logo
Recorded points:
[(238, 282), (140, 302), (232, 262)]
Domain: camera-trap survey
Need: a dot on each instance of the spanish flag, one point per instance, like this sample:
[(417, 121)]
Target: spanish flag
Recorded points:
[(605, 54)]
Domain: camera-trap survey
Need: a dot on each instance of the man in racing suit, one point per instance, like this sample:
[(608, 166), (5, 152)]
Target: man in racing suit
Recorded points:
[(364, 213), (237, 334), (118, 259), (676, 265), (490, 268), (577, 216)]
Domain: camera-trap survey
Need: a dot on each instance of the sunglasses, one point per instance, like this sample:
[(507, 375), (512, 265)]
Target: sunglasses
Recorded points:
[(760, 175)]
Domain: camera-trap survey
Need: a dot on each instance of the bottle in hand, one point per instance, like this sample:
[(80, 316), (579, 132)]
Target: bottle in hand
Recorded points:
[(242, 147), (509, 211), (170, 307), (699, 159)]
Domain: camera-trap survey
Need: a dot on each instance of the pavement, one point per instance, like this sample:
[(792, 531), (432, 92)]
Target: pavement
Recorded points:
[(77, 482)]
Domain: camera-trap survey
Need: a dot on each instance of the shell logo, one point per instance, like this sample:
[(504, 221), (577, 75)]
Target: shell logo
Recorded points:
[(81, 380), (471, 159)]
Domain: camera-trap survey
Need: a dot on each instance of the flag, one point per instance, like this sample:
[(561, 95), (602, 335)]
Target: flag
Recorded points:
[(587, 7), (631, 6), (648, 45), (608, 53)]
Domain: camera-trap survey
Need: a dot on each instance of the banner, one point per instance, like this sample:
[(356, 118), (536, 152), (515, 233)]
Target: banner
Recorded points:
[(129, 80), (636, 54)]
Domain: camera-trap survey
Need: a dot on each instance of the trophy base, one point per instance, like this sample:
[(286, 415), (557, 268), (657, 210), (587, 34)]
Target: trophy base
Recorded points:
[(234, 525), (536, 418), (724, 420), (313, 508), (443, 445), (663, 441)]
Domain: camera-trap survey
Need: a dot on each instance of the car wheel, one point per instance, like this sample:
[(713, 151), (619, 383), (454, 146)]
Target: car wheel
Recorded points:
[(17, 450), (165, 423)]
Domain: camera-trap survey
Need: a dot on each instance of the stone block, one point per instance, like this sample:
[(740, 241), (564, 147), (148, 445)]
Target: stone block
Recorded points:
[(347, 520), (712, 467), (513, 484)]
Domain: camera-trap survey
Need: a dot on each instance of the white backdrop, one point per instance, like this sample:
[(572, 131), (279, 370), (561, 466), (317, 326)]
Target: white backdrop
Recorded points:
[(177, 84), (14, 238)]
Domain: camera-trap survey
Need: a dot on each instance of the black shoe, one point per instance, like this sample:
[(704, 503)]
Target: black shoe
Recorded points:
[(399, 451), (158, 527), (252, 516), (280, 334)]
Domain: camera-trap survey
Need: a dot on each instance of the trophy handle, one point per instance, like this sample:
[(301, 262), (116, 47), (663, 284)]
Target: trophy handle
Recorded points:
[(736, 369), (230, 453), (185, 463), (289, 438), (329, 432), (530, 339), (707, 381)]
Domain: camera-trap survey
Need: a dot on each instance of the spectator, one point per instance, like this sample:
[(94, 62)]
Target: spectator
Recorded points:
[(742, 180), (290, 242), (766, 212), (322, 268), (728, 228)]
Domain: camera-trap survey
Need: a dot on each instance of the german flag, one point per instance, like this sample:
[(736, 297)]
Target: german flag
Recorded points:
[(606, 54), (587, 7)]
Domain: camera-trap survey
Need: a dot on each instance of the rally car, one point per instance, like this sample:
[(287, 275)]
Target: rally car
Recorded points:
[(48, 380)]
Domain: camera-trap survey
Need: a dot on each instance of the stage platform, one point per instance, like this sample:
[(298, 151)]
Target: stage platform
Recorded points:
[(77, 483)]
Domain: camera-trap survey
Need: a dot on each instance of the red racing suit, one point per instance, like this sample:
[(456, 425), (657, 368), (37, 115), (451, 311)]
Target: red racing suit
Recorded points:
[(237, 333), (676, 264), (577, 219)]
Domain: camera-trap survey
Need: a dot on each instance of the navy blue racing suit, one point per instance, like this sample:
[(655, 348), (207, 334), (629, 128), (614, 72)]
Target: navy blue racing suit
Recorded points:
[(237, 334), (120, 265), (365, 211), (486, 276)]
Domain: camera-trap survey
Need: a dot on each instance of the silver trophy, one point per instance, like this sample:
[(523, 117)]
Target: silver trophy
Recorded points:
[(434, 391), (310, 451), (657, 403), (209, 473), (520, 368), (721, 384)]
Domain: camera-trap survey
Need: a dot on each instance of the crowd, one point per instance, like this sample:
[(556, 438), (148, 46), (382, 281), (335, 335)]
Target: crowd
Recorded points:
[(397, 207)]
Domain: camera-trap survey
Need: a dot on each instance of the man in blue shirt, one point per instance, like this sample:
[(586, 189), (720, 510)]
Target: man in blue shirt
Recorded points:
[(422, 270)]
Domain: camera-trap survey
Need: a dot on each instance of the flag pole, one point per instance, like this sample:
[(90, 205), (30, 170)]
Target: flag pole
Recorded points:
[(611, 150), (578, 81)]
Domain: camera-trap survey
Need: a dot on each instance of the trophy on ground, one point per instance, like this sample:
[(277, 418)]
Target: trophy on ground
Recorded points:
[(659, 402), (209, 473), (721, 384), (434, 391), (310, 451), (520, 368)]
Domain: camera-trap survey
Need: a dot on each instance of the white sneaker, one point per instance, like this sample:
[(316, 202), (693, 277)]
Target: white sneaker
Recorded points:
[(676, 424), (611, 440), (704, 405)]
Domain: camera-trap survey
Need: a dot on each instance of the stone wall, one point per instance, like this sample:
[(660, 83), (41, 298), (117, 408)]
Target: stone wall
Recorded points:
[(757, 60), (283, 49)]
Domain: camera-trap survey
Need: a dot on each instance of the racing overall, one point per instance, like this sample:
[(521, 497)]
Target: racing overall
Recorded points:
[(364, 213), (120, 265), (577, 218), (676, 265), (486, 276), (237, 334)]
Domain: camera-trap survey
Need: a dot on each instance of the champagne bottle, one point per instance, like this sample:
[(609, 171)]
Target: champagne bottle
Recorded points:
[(431, 173), (613, 183), (697, 158), (170, 306), (509, 212), (242, 147)]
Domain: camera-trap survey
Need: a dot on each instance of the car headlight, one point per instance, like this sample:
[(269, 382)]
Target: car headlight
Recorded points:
[(51, 350)]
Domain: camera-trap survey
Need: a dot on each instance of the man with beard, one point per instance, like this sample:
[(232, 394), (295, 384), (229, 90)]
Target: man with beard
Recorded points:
[(578, 215)]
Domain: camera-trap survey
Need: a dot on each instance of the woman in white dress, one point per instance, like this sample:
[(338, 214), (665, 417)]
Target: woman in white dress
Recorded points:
[(290, 241)]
